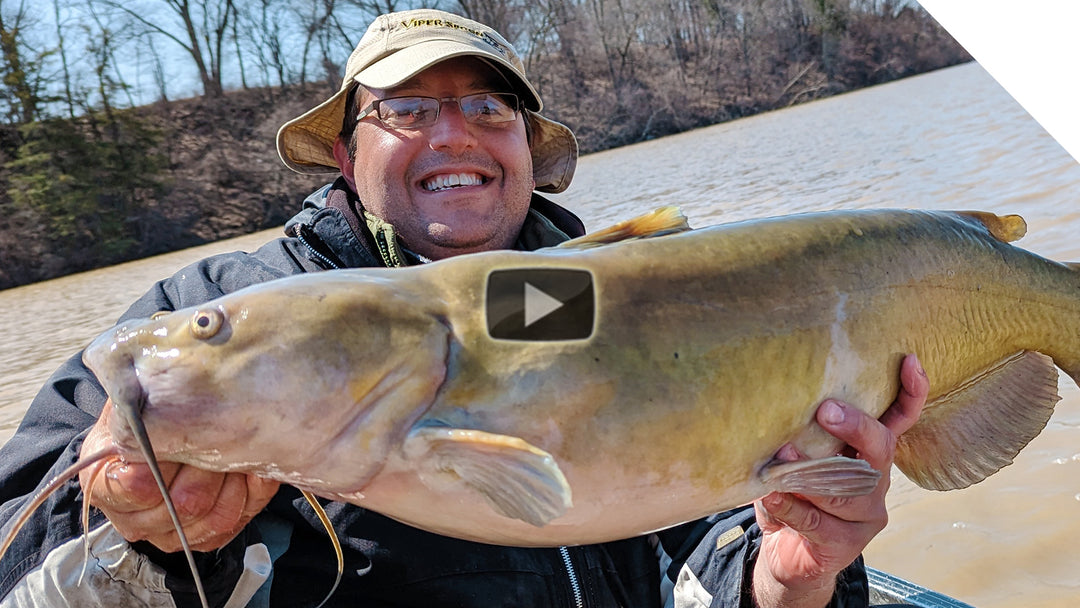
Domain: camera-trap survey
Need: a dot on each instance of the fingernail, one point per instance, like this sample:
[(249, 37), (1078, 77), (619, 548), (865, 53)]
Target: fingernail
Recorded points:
[(832, 413)]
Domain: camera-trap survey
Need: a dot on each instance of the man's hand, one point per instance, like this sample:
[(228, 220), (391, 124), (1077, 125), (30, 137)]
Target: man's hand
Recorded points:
[(213, 507), (808, 540)]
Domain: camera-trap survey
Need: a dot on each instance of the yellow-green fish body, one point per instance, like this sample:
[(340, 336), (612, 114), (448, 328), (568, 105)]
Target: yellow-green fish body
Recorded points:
[(710, 349)]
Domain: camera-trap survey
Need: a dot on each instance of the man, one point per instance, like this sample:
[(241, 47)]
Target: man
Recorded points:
[(438, 139)]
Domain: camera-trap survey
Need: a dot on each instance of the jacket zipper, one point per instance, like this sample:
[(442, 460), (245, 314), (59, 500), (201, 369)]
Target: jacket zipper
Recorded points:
[(316, 252), (575, 585)]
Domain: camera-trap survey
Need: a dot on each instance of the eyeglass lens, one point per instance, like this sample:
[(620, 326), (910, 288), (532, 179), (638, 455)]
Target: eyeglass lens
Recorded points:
[(416, 112)]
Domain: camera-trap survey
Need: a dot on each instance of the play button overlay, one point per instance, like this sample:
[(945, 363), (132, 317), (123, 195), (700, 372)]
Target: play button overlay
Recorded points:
[(540, 304)]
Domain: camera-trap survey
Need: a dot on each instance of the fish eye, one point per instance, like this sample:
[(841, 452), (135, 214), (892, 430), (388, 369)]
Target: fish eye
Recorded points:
[(157, 315), (206, 323)]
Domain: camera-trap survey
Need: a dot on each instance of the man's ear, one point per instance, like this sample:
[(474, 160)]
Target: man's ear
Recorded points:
[(341, 155)]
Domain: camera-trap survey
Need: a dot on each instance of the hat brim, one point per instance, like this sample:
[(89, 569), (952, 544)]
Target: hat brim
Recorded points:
[(554, 154), (306, 143)]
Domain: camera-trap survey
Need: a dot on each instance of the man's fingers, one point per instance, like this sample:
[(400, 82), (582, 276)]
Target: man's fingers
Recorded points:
[(259, 493), (195, 492), (872, 440), (128, 487), (212, 507), (240, 498), (875, 440), (781, 509), (915, 385)]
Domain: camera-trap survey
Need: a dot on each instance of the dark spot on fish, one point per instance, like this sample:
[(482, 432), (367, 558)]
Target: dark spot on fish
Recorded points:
[(597, 359)]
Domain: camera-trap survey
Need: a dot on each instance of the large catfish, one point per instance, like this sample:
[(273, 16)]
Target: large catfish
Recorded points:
[(698, 354)]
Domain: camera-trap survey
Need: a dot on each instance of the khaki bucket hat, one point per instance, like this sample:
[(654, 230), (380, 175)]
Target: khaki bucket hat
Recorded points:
[(396, 47)]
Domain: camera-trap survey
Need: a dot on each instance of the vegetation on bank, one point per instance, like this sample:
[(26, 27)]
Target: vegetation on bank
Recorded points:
[(88, 178)]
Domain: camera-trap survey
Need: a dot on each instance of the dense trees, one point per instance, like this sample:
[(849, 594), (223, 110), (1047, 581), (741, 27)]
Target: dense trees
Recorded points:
[(130, 127)]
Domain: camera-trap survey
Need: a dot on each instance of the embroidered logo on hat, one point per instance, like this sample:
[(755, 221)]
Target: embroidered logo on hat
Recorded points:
[(482, 35)]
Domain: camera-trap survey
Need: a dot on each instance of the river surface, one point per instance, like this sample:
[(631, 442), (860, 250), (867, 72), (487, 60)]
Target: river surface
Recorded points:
[(952, 139)]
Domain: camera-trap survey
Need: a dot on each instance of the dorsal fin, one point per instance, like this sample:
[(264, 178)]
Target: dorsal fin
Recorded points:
[(665, 220), (1006, 228)]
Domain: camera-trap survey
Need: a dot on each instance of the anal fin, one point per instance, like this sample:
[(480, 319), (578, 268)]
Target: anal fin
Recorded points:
[(977, 428), (517, 479)]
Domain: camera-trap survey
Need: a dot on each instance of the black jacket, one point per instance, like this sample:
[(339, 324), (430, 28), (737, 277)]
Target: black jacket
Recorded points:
[(387, 563)]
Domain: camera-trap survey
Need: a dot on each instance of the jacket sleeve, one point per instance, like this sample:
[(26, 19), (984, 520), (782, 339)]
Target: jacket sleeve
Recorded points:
[(47, 441), (712, 563)]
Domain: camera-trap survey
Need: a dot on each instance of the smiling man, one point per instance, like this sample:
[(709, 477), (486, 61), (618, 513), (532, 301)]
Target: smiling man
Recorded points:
[(437, 131), (439, 142)]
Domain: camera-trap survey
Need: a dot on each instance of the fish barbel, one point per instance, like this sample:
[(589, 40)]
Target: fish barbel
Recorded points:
[(710, 349)]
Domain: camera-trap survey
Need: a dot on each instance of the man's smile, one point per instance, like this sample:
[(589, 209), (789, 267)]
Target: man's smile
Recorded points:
[(437, 183)]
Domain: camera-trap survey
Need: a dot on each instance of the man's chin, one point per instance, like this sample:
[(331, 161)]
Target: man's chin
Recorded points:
[(445, 242)]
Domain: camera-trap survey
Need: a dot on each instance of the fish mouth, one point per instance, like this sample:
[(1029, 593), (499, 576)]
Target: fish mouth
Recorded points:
[(125, 389), (116, 371)]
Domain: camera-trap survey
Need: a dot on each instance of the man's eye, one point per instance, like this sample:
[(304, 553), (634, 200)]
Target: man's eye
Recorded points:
[(487, 107), (413, 115), (406, 112)]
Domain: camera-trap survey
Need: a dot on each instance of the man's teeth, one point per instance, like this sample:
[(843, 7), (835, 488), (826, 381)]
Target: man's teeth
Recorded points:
[(442, 182)]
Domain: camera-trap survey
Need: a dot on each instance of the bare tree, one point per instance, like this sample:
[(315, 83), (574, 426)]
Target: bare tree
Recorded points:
[(69, 98), (199, 27), (260, 32), (157, 68), (20, 65)]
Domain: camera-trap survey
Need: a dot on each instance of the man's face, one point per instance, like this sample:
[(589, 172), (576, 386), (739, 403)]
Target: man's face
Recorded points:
[(400, 174)]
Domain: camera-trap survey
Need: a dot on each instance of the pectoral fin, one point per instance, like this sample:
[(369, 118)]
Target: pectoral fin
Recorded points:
[(834, 476), (519, 480), (976, 429), (665, 220)]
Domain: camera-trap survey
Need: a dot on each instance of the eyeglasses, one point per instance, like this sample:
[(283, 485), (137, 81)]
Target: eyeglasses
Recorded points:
[(419, 112)]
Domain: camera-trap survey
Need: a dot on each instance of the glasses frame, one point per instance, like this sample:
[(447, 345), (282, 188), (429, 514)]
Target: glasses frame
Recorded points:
[(372, 109)]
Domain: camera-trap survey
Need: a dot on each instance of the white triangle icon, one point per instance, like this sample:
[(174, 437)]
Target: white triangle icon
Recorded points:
[(538, 304)]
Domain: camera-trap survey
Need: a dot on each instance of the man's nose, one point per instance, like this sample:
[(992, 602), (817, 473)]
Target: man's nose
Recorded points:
[(451, 131)]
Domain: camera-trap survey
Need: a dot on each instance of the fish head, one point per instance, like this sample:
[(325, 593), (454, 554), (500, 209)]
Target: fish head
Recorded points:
[(277, 374)]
